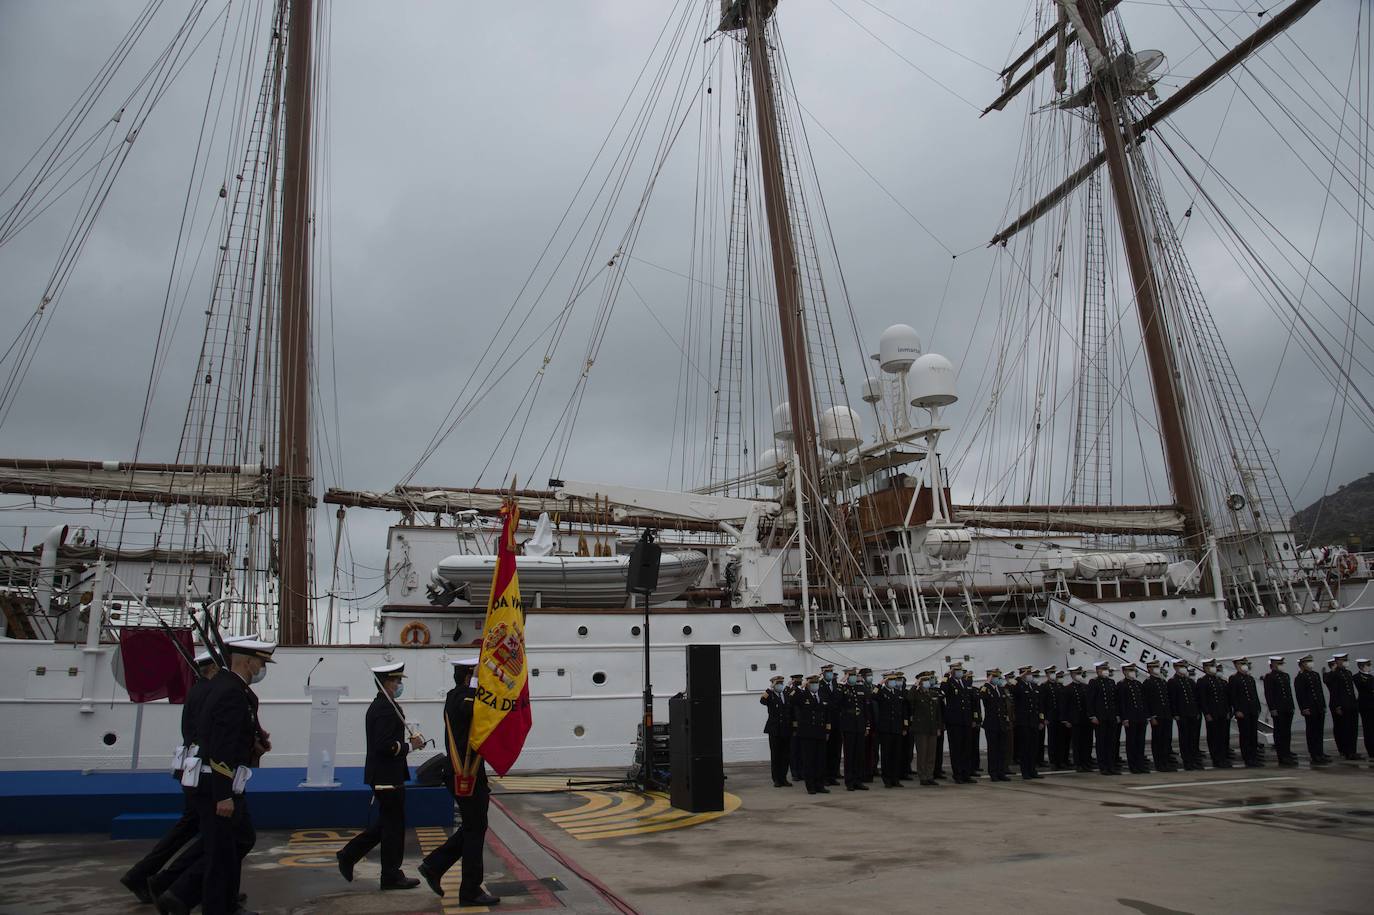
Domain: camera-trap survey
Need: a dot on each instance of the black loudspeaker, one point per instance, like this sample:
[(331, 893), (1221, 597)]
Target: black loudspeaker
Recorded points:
[(696, 747), (643, 570)]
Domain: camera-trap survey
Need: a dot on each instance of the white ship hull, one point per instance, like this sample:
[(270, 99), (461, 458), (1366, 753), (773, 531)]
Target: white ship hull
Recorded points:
[(578, 721)]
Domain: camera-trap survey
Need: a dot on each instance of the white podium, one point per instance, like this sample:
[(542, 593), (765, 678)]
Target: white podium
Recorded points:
[(324, 736)]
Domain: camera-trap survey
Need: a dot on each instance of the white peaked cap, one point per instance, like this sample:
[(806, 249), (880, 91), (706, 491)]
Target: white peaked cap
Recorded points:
[(463, 662), (390, 670), (1101, 664), (1275, 657), (254, 646)]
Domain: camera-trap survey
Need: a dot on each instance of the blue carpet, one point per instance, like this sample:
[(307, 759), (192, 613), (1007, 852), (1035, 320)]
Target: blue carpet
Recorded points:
[(73, 801)]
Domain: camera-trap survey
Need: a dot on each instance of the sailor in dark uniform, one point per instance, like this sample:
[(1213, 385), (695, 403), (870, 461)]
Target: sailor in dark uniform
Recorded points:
[(871, 739), (1056, 737), (1364, 686), (1102, 712), (996, 723), (891, 721), (386, 772), (974, 760), (851, 721), (1345, 709), (1278, 696), (1161, 719), (1029, 722), (959, 721), (794, 754), (467, 782), (1215, 699), (1311, 701), (834, 744), (138, 878), (1134, 710), (1073, 717), (927, 723), (813, 731), (1187, 711), (1245, 705), (779, 730), (229, 735), (940, 737)]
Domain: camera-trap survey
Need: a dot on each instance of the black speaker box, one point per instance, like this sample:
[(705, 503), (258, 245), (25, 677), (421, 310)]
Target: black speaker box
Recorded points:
[(696, 746), (643, 568)]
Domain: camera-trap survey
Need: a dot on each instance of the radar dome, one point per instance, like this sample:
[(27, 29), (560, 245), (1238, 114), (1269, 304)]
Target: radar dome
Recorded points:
[(898, 348), (782, 422), (841, 429), (769, 468), (932, 382), (873, 390)]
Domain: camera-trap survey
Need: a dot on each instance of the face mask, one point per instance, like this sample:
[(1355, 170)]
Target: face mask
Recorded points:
[(1209, 669), (1340, 665), (852, 681), (932, 684), (777, 687), (968, 675), (869, 679), (1130, 675), (1244, 668), (829, 675), (1037, 680), (1059, 678), (260, 675), (1364, 668), (1103, 674), (999, 681), (1079, 678), (1305, 665), (1158, 673), (814, 687), (400, 689)]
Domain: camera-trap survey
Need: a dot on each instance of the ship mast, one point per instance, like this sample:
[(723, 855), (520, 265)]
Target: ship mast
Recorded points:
[(753, 16), (1159, 354), (294, 442)]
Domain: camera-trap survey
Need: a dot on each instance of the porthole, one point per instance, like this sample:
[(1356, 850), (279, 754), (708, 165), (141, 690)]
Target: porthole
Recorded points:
[(1214, 647), (753, 667), (1193, 611), (579, 731), (1188, 642), (534, 671), (109, 738), (686, 630), (735, 630), (599, 677), (1164, 614), (1132, 614), (582, 631), (772, 667), (634, 631)]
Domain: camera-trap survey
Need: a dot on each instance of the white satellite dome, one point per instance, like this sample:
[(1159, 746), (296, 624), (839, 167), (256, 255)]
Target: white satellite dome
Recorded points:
[(782, 422), (841, 429), (932, 382), (873, 390), (769, 468), (898, 348)]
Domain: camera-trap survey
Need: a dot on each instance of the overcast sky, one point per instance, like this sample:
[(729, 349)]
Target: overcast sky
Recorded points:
[(459, 131)]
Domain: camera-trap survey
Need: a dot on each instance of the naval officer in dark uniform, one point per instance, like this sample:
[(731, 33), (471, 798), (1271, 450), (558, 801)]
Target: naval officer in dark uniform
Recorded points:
[(1029, 719), (1278, 696), (1102, 711), (1345, 709), (1311, 700), (1161, 718), (1215, 699), (467, 782), (1364, 686), (778, 727), (140, 879), (794, 751), (386, 772), (1245, 705), (830, 698), (228, 731), (813, 730), (1073, 716), (996, 723), (851, 721), (1187, 711), (1135, 715), (959, 722)]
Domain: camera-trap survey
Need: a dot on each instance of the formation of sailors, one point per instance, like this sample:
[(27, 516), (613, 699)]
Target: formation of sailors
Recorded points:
[(854, 724)]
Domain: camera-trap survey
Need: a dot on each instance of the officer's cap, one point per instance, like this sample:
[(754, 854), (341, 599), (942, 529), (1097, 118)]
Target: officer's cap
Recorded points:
[(1361, 660), (1151, 665), (1129, 665), (385, 671), (1275, 659), (825, 667), (1076, 669), (1306, 657), (865, 670), (1024, 670), (1051, 669), (814, 678), (1240, 661), (776, 679), (1179, 662), (925, 674), (851, 670), (1209, 660), (956, 665), (1339, 657), (1101, 664), (994, 672), (798, 677), (254, 648)]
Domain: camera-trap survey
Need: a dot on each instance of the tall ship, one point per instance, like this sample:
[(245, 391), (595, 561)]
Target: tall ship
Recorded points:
[(1092, 480)]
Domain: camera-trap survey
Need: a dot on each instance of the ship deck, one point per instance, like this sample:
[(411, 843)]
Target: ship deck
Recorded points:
[(1254, 841)]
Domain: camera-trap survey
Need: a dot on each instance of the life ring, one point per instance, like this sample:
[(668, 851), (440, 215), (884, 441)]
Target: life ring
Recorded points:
[(416, 633)]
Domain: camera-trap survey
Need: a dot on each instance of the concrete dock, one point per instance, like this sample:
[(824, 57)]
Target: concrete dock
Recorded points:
[(1238, 840)]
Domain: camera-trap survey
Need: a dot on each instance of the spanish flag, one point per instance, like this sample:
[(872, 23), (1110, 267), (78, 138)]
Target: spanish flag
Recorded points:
[(501, 716)]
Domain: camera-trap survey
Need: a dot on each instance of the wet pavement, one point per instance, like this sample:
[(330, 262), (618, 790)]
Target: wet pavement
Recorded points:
[(1236, 840)]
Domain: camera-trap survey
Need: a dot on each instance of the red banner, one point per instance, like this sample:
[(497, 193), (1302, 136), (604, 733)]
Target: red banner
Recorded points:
[(501, 719), (152, 667)]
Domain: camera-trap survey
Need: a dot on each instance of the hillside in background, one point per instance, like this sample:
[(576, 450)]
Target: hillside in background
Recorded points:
[(1344, 517)]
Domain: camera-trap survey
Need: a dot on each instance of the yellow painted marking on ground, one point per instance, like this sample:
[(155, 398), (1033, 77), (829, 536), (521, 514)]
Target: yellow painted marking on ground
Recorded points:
[(315, 847), (595, 801), (519, 783), (624, 813)]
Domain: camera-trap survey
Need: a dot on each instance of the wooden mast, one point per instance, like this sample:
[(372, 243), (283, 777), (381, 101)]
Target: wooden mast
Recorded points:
[(1159, 355), (294, 454), (786, 273)]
